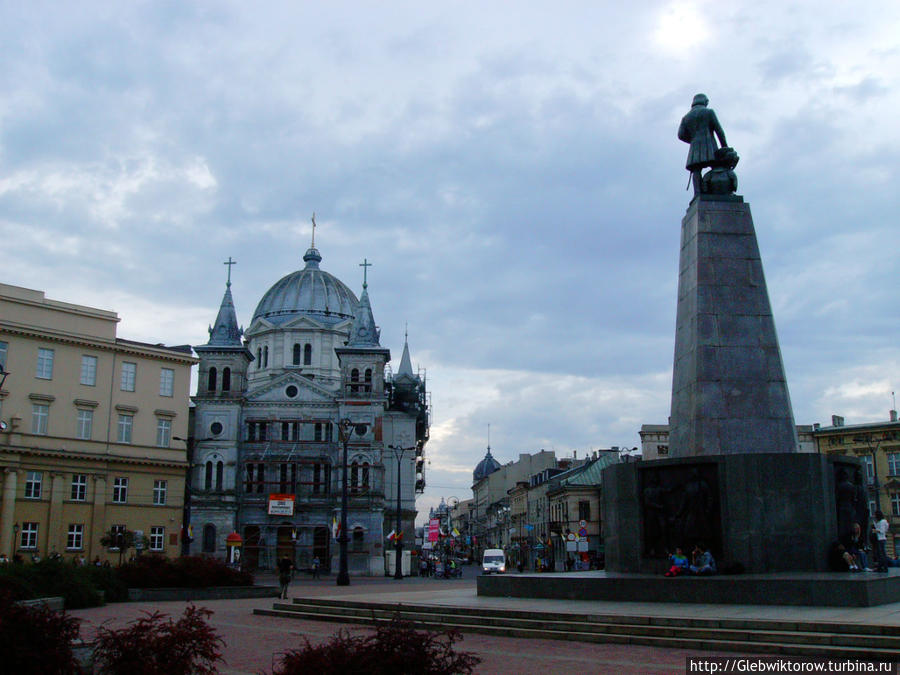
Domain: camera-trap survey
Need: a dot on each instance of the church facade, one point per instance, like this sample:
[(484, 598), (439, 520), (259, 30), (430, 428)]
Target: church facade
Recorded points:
[(270, 413)]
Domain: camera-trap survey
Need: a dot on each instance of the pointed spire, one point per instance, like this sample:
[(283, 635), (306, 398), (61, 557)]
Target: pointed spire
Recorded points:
[(312, 257), (405, 362), (364, 333), (226, 332)]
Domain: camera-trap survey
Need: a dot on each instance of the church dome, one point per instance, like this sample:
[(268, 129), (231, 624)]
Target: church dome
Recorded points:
[(485, 467), (312, 292)]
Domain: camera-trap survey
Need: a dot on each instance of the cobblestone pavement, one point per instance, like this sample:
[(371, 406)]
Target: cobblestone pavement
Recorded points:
[(253, 642)]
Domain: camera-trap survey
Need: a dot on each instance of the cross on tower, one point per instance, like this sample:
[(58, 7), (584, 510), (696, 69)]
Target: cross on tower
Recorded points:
[(364, 264), (229, 263)]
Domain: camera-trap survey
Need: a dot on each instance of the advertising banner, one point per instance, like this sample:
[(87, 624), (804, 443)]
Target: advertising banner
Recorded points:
[(434, 529), (281, 505)]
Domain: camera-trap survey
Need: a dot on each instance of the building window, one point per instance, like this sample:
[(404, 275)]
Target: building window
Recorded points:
[(209, 538), (584, 510), (40, 415), (266, 356), (226, 379), (354, 380), (163, 432), (895, 504), (256, 431), (79, 487), (317, 479), (287, 475), (85, 424), (4, 350), (870, 468), (354, 477), (307, 355), (129, 374), (160, 487), (368, 378), (166, 382), (255, 479), (126, 424), (358, 538), (120, 491), (259, 357), (296, 355), (318, 431), (89, 370), (211, 379), (157, 538), (33, 480), (44, 364), (75, 538), (209, 474), (220, 470), (117, 533), (893, 463), (29, 534), (365, 476)]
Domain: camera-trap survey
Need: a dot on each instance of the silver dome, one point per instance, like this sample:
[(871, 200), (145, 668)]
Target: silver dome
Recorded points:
[(311, 292)]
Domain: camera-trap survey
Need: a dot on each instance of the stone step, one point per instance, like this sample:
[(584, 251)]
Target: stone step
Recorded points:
[(756, 637), (708, 644)]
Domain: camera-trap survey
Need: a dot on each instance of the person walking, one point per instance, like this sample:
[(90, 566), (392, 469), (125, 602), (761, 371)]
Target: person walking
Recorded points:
[(285, 567), (881, 529), (315, 567)]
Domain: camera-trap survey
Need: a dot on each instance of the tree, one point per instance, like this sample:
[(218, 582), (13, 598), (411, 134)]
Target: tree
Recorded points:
[(121, 539)]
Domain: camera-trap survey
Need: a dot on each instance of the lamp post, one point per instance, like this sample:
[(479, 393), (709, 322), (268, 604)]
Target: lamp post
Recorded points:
[(398, 538), (189, 443), (345, 427)]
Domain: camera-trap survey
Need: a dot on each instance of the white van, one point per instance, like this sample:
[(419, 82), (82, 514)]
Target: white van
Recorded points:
[(494, 560)]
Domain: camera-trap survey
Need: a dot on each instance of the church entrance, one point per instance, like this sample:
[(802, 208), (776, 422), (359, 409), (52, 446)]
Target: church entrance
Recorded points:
[(250, 555), (286, 543), (321, 542)]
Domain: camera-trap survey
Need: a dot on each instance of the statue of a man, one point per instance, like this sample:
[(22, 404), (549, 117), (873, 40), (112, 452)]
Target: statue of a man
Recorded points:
[(697, 128)]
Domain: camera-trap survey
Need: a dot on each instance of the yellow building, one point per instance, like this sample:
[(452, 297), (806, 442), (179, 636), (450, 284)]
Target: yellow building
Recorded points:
[(90, 428), (877, 445)]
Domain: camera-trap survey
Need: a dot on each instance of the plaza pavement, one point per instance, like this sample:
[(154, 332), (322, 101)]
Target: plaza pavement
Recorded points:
[(253, 642)]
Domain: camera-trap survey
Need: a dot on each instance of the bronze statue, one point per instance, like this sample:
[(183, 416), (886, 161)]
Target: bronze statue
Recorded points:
[(698, 128)]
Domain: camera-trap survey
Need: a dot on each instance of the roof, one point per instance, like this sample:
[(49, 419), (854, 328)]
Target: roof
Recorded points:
[(588, 474)]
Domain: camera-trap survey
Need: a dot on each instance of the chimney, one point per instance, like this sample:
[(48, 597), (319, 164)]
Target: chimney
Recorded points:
[(837, 421), (893, 415), (816, 426)]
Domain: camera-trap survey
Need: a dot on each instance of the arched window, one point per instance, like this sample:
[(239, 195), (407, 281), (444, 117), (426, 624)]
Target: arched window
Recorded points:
[(266, 356), (354, 477), (220, 469), (354, 379), (226, 379), (296, 359), (211, 380), (208, 483), (365, 476), (368, 377), (358, 538), (209, 538), (307, 354)]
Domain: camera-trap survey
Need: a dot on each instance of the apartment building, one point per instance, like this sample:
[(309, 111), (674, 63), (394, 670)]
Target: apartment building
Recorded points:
[(92, 429)]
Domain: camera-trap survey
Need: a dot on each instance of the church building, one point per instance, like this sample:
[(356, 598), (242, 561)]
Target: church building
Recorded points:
[(271, 407)]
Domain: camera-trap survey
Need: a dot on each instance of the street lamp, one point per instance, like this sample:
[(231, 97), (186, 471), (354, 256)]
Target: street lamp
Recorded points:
[(398, 538), (190, 443), (345, 427)]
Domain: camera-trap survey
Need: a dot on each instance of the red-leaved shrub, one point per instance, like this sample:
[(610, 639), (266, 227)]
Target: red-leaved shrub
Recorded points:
[(36, 639), (395, 648), (157, 645)]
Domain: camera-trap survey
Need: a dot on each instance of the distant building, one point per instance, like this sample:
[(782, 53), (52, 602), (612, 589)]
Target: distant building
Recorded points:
[(877, 445), (92, 431)]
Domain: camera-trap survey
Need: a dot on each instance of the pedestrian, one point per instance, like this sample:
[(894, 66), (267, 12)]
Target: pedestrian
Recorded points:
[(285, 567), (881, 529), (315, 567)]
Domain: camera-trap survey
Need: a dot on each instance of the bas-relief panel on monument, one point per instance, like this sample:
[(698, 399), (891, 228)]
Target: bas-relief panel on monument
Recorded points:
[(680, 507)]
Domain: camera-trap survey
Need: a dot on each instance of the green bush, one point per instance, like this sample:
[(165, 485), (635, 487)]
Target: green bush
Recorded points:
[(106, 579), (52, 578), (151, 571)]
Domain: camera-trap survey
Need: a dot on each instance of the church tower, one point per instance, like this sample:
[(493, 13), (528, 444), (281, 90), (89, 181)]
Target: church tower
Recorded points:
[(213, 445)]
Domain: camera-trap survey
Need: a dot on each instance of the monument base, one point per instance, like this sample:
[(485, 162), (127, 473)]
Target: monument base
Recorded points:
[(758, 513), (810, 589)]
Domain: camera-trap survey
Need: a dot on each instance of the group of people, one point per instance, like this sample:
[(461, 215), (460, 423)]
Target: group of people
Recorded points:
[(851, 553), (432, 567), (701, 562)]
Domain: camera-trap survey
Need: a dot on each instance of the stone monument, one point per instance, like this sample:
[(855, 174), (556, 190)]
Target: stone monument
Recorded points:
[(734, 479)]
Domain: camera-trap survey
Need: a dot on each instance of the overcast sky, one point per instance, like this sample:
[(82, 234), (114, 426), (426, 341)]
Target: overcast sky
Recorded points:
[(511, 169)]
